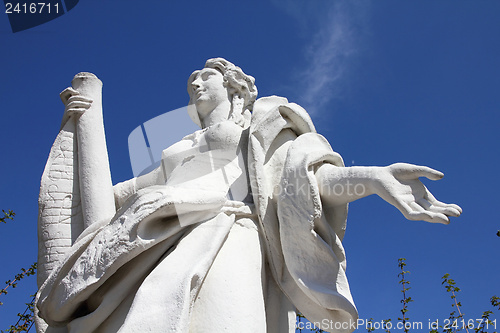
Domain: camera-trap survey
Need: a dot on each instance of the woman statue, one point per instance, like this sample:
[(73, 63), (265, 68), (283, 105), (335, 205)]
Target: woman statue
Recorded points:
[(240, 226)]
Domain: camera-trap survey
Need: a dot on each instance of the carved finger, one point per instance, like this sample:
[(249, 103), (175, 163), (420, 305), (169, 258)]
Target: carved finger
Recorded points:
[(412, 212), (457, 207), (78, 105), (79, 98), (412, 171), (446, 209), (76, 108), (67, 93), (429, 197), (418, 213)]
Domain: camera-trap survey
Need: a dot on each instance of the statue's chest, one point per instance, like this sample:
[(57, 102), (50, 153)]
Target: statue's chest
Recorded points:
[(212, 158)]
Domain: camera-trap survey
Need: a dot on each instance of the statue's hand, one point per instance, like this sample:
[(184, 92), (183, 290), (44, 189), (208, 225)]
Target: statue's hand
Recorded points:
[(74, 102), (398, 184)]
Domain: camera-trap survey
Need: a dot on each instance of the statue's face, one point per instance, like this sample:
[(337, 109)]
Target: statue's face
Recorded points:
[(208, 90)]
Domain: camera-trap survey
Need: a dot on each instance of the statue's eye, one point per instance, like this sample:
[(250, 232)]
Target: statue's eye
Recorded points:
[(205, 76)]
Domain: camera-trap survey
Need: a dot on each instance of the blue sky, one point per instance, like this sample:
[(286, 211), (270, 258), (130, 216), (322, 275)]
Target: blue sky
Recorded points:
[(384, 81)]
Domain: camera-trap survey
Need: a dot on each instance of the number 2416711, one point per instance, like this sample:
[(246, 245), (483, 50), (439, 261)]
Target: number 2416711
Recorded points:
[(31, 8)]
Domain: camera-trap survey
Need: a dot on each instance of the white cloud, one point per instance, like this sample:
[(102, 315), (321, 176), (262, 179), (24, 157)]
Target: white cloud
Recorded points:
[(337, 31)]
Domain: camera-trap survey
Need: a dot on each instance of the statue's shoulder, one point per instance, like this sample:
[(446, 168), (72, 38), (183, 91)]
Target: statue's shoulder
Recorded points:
[(272, 114), (265, 104)]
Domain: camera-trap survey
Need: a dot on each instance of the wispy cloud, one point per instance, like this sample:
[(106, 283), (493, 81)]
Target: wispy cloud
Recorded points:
[(337, 30)]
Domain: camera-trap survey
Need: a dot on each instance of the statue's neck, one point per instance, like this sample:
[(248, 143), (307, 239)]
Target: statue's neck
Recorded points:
[(219, 114)]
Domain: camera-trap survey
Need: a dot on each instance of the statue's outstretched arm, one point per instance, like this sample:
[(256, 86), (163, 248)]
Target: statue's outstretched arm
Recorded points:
[(398, 184)]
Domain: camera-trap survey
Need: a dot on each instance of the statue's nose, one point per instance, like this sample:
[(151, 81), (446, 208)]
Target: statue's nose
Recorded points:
[(195, 84)]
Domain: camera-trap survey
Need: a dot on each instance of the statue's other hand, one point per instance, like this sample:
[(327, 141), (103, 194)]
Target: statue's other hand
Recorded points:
[(399, 185), (74, 102)]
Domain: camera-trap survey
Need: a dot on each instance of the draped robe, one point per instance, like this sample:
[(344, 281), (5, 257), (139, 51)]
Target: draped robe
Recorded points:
[(162, 242)]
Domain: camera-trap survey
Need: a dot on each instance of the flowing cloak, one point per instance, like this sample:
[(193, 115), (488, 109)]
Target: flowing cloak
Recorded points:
[(165, 237)]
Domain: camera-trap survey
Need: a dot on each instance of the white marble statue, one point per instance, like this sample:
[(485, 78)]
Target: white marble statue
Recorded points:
[(239, 227)]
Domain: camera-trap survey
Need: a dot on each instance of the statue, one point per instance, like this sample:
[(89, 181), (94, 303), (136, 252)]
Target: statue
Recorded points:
[(240, 225)]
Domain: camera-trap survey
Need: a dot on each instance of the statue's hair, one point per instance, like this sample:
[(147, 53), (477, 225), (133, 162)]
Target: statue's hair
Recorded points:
[(241, 88)]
